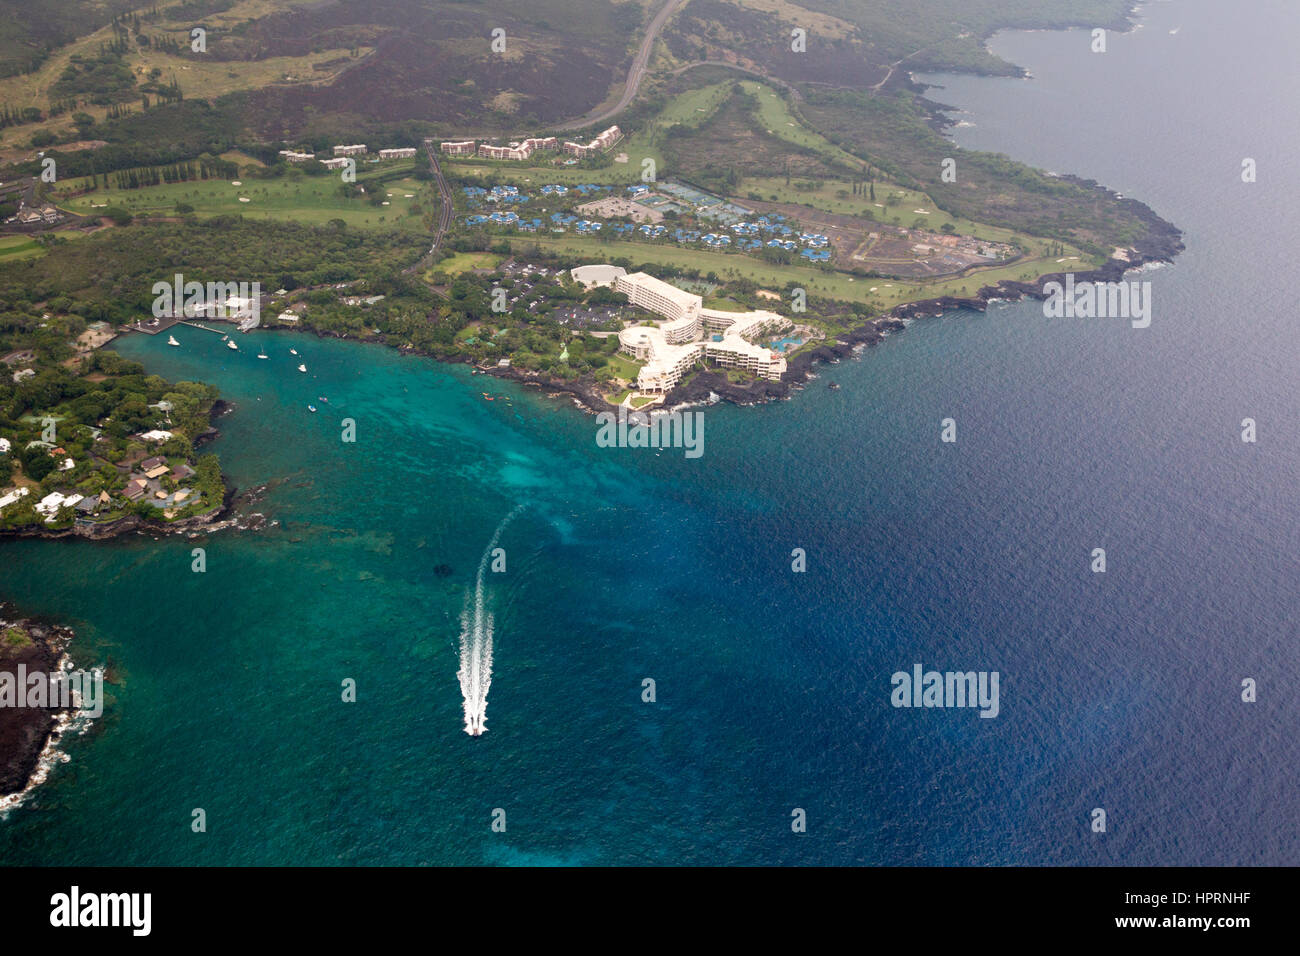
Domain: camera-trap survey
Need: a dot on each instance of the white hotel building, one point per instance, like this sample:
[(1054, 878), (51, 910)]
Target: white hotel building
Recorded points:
[(601, 143), (463, 148), (519, 151), (401, 152), (669, 350), (358, 149)]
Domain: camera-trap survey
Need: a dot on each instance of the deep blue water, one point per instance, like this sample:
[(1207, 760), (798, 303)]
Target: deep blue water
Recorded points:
[(1118, 690)]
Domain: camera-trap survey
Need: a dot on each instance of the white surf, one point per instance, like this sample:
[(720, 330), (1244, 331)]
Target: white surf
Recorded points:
[(476, 633)]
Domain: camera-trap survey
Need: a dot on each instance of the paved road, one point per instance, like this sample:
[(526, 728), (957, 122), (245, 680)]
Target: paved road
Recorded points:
[(636, 74), (444, 198)]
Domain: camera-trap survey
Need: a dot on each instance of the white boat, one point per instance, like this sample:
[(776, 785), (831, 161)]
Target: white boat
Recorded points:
[(171, 340), (262, 355), (293, 351), (302, 368), (231, 345)]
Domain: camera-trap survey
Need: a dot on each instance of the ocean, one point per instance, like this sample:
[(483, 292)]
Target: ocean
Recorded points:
[(1119, 691)]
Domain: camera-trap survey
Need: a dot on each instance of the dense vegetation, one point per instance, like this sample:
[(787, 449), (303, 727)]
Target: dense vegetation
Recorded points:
[(110, 275)]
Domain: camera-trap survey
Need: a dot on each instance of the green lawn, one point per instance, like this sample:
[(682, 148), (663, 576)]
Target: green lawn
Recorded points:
[(313, 200), (694, 106), (19, 247), (465, 261), (834, 285), (780, 122), (620, 366)]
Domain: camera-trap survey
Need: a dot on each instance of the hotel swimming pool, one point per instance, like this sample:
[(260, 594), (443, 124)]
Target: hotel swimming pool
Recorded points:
[(785, 344)]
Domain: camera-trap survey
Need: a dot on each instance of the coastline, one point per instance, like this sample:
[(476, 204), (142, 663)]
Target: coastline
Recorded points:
[(30, 737), (1161, 244), (216, 520)]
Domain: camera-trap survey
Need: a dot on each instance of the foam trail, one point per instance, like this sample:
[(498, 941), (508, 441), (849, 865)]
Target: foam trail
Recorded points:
[(476, 627)]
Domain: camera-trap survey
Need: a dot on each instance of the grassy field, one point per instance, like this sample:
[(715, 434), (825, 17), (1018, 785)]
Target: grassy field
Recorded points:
[(620, 366), (243, 159), (694, 106), (19, 247), (835, 285), (781, 123), (466, 261), (892, 202), (313, 200)]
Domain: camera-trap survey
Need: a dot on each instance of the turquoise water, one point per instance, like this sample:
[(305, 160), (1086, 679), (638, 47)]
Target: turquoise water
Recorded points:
[(772, 687)]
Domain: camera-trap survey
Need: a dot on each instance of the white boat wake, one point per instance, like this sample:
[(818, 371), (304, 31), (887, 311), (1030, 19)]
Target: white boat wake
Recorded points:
[(476, 625)]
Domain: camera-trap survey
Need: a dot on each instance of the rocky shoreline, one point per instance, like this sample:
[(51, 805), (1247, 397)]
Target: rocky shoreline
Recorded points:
[(1161, 245), (29, 735)]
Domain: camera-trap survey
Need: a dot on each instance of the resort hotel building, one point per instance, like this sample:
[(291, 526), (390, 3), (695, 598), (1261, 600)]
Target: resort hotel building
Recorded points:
[(670, 349), (519, 151), (524, 149), (598, 145)]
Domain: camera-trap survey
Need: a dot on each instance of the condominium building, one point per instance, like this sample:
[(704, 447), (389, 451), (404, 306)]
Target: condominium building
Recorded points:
[(518, 151), (293, 156), (501, 152), (357, 149), (402, 152), (338, 162), (598, 145), (540, 144), (465, 148)]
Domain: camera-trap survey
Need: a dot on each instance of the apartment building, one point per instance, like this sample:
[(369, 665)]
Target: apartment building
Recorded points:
[(598, 145)]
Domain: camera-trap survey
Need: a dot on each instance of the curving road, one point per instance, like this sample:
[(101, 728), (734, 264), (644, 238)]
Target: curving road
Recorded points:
[(635, 75)]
